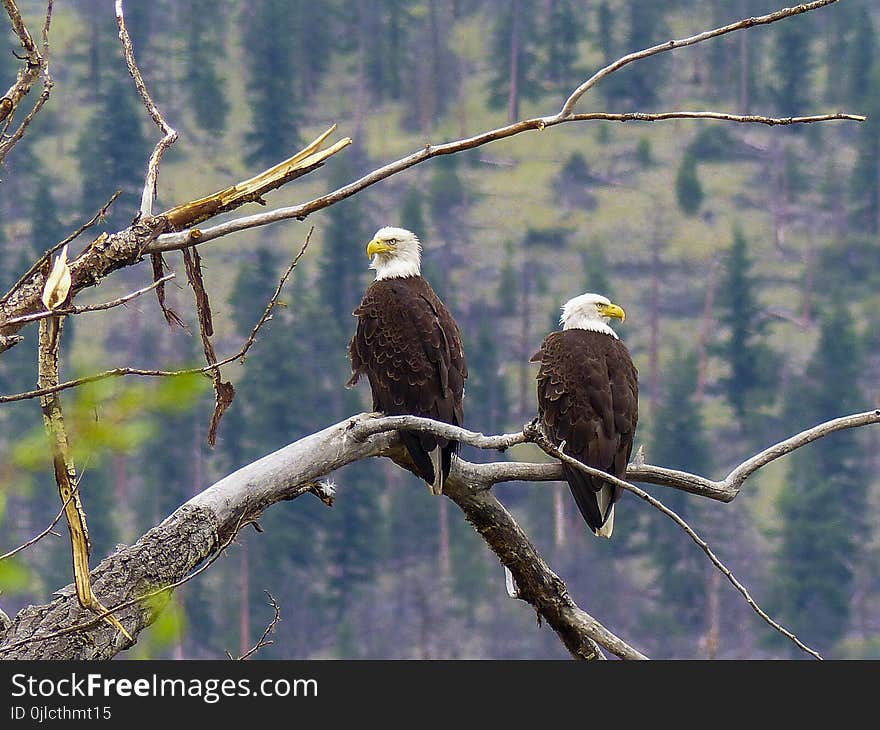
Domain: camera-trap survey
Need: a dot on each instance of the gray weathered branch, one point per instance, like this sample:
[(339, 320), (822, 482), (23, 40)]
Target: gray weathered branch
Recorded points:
[(202, 526)]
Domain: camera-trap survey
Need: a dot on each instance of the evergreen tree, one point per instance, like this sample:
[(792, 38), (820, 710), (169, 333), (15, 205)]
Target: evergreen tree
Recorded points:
[(605, 31), (862, 55), (750, 361), (206, 87), (385, 71), (678, 441), (865, 182), (345, 238), (46, 226), (513, 58), (112, 150), (412, 216), (688, 189), (793, 64), (562, 30), (487, 398), (275, 105), (822, 503), (640, 85)]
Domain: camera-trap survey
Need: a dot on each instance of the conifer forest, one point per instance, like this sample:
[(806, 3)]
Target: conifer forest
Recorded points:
[(745, 253)]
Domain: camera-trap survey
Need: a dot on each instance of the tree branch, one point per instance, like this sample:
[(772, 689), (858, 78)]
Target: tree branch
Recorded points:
[(169, 134), (568, 106), (36, 65), (199, 528)]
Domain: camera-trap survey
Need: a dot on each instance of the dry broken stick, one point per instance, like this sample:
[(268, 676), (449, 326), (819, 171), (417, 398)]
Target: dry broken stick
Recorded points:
[(36, 65), (65, 470)]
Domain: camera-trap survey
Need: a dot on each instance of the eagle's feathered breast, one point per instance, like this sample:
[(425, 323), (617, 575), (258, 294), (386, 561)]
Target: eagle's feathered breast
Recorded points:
[(410, 348), (588, 398)]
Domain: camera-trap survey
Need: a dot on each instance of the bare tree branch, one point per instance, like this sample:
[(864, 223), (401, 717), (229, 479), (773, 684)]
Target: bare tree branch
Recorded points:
[(92, 307), (169, 134), (120, 372), (37, 65), (536, 436), (202, 527), (34, 540), (61, 244), (568, 106), (197, 530), (263, 641)]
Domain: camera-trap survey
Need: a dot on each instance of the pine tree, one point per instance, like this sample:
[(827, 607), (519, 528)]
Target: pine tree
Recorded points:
[(862, 59), (513, 58), (822, 503), (112, 150), (412, 216), (688, 189), (864, 184), (605, 31), (750, 361), (46, 226), (562, 30), (678, 441), (275, 105), (343, 262), (206, 87), (793, 64), (641, 85)]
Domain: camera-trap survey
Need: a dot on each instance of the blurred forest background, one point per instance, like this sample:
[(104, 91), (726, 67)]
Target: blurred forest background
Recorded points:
[(746, 258)]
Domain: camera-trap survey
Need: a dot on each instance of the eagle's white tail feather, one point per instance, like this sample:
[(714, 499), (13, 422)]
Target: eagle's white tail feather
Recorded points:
[(606, 509), (437, 463)]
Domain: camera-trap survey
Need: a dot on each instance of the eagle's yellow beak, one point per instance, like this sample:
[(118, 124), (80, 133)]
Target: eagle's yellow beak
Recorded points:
[(612, 310), (377, 245)]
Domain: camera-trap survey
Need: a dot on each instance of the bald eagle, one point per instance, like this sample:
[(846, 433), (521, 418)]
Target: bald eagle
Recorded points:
[(588, 398), (409, 347)]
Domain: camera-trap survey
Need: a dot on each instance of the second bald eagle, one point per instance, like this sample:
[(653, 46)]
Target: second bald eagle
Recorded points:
[(409, 347), (588, 395)]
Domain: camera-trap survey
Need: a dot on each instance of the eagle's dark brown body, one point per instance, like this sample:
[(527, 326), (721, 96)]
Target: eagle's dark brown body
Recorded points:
[(588, 397), (409, 347)]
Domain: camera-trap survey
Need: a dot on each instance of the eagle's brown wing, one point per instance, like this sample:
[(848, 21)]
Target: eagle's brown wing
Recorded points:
[(588, 398), (409, 347)]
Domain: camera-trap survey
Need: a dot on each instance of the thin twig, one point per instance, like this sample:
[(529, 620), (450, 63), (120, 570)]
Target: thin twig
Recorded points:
[(37, 64), (120, 372), (45, 532), (263, 641), (61, 244), (169, 134), (90, 307), (538, 438)]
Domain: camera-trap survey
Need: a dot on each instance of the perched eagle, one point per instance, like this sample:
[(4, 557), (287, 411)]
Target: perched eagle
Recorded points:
[(409, 347), (588, 398)]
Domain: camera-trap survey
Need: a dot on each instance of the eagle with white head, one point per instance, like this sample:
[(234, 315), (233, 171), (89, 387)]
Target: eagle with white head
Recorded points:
[(588, 395), (410, 348)]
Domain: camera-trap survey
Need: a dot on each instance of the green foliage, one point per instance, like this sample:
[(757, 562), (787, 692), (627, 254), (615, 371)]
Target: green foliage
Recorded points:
[(562, 29), (639, 87), (206, 87), (688, 188), (822, 504), (749, 381), (111, 152), (713, 144), (14, 577), (513, 72), (793, 64), (678, 441), (343, 258), (644, 153), (276, 107)]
